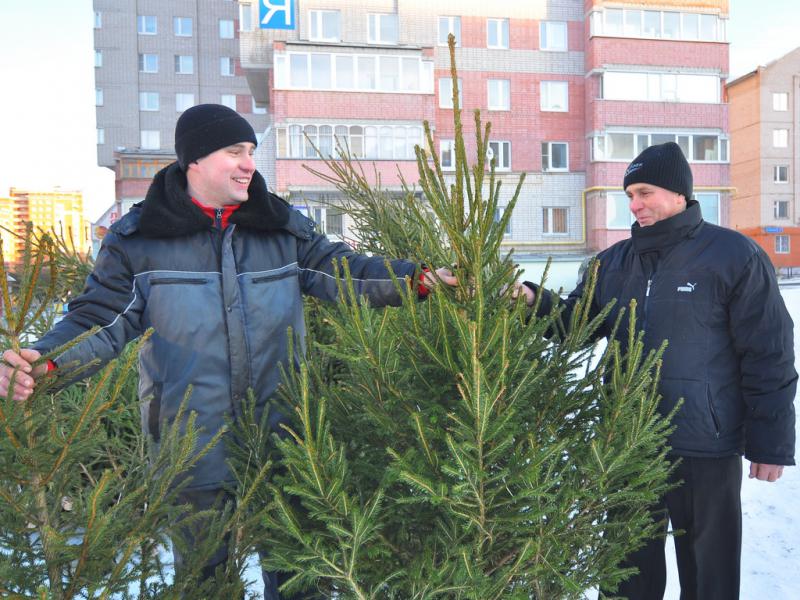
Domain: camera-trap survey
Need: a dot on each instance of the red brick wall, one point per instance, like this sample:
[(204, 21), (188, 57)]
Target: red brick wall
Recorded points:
[(767, 242)]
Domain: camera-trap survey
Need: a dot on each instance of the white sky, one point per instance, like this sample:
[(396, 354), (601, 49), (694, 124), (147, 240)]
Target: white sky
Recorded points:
[(47, 119)]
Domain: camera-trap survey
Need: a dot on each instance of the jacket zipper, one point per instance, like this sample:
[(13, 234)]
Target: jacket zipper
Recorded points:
[(646, 302), (218, 218)]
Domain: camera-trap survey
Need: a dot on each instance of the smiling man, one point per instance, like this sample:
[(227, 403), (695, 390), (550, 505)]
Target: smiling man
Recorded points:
[(712, 293), (217, 266)]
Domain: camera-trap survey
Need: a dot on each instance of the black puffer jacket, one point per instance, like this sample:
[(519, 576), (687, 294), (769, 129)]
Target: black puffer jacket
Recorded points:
[(712, 293), (220, 302)]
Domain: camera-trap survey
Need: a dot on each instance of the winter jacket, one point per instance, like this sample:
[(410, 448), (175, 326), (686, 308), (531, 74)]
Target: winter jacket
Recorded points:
[(712, 293), (220, 302)]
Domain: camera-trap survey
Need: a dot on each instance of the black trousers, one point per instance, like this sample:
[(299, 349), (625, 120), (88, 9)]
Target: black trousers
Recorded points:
[(707, 508), (204, 500)]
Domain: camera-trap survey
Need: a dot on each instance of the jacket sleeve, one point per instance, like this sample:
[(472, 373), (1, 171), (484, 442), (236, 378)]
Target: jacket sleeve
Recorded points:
[(109, 300), (762, 333), (371, 278)]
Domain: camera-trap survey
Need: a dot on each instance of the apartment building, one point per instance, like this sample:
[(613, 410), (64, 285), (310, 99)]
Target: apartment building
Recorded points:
[(153, 60), (574, 89), (52, 211), (765, 160)]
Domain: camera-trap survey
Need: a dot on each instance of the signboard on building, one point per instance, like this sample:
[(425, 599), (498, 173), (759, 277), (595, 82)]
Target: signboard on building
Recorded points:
[(276, 14), (773, 229)]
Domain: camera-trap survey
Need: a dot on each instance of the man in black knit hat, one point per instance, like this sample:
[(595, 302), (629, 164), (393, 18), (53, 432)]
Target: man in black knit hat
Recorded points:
[(713, 294), (217, 266)]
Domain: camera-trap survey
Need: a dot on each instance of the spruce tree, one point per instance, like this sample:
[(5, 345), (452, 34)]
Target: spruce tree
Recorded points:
[(460, 447)]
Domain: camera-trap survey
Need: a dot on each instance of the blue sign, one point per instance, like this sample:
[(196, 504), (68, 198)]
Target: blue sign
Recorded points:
[(773, 229), (276, 14)]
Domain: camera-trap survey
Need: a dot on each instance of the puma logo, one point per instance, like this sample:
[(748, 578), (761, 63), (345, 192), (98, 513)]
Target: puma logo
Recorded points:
[(689, 287)]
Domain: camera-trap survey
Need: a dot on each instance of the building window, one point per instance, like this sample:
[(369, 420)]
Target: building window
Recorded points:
[(780, 173), (625, 146), (150, 139), (101, 136), (499, 213), (148, 63), (660, 87), (226, 66), (780, 101), (447, 154), (245, 17), (709, 206), (324, 25), (182, 26), (387, 142), (226, 29), (448, 25), (228, 100), (499, 92), (781, 244), (382, 28), (334, 221), (148, 101), (555, 156), (146, 25), (98, 19), (98, 58), (183, 101), (554, 221), (184, 64), (98, 97), (780, 209), (257, 110), (553, 36), (499, 153), (638, 23), (497, 33), (554, 96), (618, 213), (780, 138), (446, 92)]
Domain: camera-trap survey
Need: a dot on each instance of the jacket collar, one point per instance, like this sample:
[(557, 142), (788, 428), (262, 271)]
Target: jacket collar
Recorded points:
[(668, 232), (168, 211)]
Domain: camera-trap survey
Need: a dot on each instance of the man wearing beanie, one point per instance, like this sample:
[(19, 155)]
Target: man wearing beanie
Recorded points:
[(712, 293), (217, 266)]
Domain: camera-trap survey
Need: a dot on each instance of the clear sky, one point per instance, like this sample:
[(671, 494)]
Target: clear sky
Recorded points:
[(47, 120)]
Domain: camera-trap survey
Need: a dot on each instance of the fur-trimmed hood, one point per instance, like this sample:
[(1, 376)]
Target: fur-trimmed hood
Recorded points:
[(168, 211)]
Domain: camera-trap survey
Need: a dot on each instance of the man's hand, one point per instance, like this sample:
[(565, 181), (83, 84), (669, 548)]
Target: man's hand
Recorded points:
[(521, 288), (26, 374), (765, 472), (444, 275)]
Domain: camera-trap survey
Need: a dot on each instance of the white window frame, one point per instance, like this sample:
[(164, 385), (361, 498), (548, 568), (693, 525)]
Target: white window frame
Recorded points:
[(707, 217), (600, 151), (228, 100), (546, 89), (227, 66), (548, 30), (452, 25), (98, 97), (503, 148), (146, 26), (360, 141), (549, 221), (183, 101), (101, 136), (500, 212), (780, 138), (149, 101), (500, 28), (502, 93), (143, 62), (776, 209), (98, 19), (374, 28), (178, 26), (316, 26), (180, 60), (226, 29), (445, 146), (256, 110), (98, 58), (780, 174), (618, 202), (599, 20), (446, 92), (644, 86), (150, 139), (780, 101), (245, 17), (780, 247), (550, 168)]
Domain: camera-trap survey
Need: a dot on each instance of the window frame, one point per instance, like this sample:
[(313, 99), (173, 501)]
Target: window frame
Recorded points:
[(101, 136), (316, 23), (502, 33), (548, 221), (99, 97), (227, 66), (98, 19), (245, 17), (227, 26), (143, 56), (780, 138), (446, 100), (718, 199), (777, 170), (779, 246), (143, 24), (780, 101), (453, 23), (504, 163), (150, 132), (544, 86), (145, 104), (447, 145), (600, 151), (500, 212), (618, 197), (98, 58), (228, 100), (178, 108), (177, 26), (374, 28), (776, 209), (549, 154), (179, 64), (544, 44), (503, 88)]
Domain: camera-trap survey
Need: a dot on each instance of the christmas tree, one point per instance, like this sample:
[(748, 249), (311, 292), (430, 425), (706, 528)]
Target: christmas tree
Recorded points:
[(458, 447)]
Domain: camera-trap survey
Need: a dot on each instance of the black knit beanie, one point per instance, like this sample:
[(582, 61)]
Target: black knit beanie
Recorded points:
[(663, 165), (205, 128)]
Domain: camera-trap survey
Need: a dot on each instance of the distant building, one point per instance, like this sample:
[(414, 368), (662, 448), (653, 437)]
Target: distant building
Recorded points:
[(153, 60), (54, 211), (765, 160), (574, 89)]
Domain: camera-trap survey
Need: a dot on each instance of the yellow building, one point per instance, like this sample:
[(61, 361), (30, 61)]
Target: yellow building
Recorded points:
[(56, 211)]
